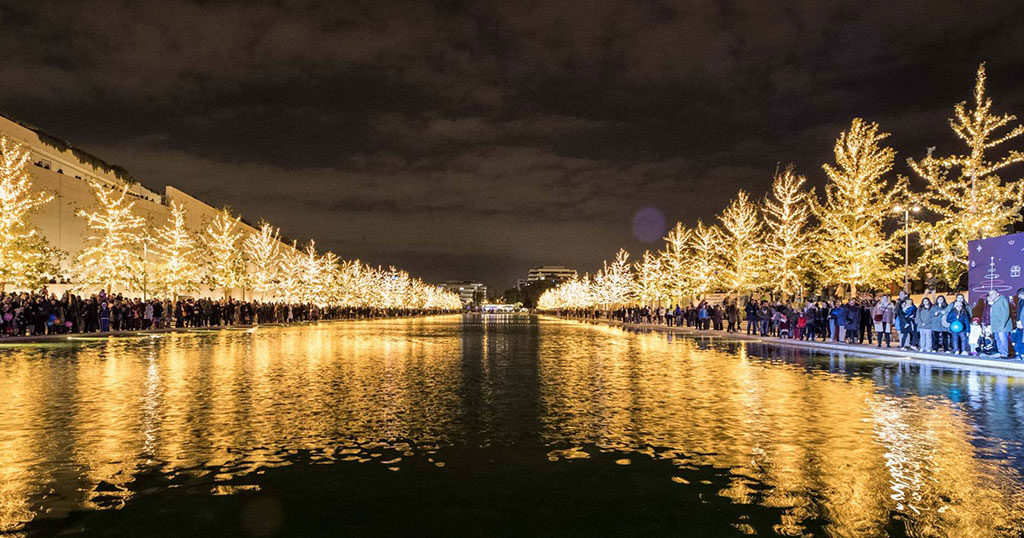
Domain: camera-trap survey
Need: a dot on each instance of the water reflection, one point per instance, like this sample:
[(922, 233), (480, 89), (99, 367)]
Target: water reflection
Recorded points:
[(828, 442)]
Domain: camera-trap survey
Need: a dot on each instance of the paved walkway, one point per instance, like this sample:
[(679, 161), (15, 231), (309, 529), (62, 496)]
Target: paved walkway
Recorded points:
[(854, 349)]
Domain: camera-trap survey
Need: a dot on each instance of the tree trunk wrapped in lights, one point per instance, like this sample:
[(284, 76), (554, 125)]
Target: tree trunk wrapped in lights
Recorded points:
[(111, 257), (965, 190), (853, 247), (788, 244), (26, 258), (263, 249), (178, 269), (742, 250), (224, 257)]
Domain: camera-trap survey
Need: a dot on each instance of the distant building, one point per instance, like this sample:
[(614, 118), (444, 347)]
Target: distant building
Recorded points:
[(470, 292), (555, 273)]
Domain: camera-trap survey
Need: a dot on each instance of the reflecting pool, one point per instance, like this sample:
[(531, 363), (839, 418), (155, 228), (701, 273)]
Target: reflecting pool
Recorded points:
[(498, 425)]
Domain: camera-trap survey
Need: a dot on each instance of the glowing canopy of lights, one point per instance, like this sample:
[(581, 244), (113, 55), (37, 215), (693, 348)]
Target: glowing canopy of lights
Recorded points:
[(851, 238), (26, 259)]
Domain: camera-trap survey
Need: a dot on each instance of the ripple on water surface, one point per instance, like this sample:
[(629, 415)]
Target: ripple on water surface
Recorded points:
[(450, 425)]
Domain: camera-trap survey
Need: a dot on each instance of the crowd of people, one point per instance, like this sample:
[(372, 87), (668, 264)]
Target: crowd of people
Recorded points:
[(991, 327), (41, 313)]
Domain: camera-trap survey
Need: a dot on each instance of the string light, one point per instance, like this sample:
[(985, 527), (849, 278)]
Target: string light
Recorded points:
[(788, 244), (742, 250), (178, 271), (263, 250), (853, 247), (26, 258), (965, 190), (226, 264), (111, 256)]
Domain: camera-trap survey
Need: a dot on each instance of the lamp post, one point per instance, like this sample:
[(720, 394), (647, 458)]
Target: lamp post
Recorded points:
[(906, 242)]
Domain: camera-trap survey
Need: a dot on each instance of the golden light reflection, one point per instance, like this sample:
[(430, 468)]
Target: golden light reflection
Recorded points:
[(829, 446), (824, 449)]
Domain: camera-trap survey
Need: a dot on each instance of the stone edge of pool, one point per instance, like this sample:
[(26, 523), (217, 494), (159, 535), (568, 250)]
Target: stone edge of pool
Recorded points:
[(853, 349)]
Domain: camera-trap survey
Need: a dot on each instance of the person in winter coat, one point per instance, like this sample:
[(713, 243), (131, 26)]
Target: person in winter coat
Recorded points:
[(959, 312), (925, 322), (974, 336), (837, 321), (852, 321), (764, 317), (882, 314), (940, 328), (909, 327), (751, 311), (1000, 319)]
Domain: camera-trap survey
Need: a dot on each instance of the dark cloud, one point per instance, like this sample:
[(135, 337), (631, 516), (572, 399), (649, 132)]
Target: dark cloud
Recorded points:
[(474, 139)]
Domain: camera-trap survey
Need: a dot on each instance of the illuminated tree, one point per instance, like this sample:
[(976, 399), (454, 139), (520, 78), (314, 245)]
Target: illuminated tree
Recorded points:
[(26, 258), (965, 190), (648, 286), (226, 265), (674, 263), (788, 242), (289, 272), (111, 256), (705, 260), (742, 251), (613, 283), (853, 246), (263, 249), (178, 268)]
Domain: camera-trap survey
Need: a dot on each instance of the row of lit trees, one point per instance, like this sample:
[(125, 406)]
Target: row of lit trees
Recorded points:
[(793, 240), (123, 252)]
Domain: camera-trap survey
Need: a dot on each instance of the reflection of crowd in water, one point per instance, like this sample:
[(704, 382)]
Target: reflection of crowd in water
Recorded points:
[(992, 327), (39, 313)]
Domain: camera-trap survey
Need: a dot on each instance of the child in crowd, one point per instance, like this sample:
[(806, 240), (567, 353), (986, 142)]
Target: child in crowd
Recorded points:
[(987, 343), (801, 325), (974, 336)]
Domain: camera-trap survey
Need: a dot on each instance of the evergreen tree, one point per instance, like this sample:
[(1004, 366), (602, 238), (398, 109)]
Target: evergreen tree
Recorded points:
[(853, 247), (788, 241), (965, 190)]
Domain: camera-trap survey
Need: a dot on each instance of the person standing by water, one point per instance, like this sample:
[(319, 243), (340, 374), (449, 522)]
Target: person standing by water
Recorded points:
[(999, 317), (104, 317), (959, 312), (925, 324), (940, 327), (852, 322), (882, 315), (909, 327), (751, 311)]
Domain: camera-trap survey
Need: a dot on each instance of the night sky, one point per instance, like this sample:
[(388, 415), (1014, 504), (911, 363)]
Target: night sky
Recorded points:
[(472, 140)]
